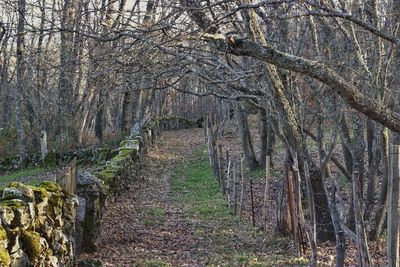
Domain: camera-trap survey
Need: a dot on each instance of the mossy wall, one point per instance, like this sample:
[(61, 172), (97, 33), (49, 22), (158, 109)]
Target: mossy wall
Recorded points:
[(37, 226), (45, 226)]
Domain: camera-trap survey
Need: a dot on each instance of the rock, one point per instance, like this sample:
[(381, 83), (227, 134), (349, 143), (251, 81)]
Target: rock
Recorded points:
[(22, 217), (90, 263), (34, 222), (52, 261), (86, 178), (92, 196), (23, 193), (6, 215), (19, 259)]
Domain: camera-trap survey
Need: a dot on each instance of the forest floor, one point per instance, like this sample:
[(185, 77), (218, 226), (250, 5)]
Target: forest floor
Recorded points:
[(175, 215)]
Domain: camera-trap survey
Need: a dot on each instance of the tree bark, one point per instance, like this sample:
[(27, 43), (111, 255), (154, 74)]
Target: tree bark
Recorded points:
[(245, 136), (20, 68)]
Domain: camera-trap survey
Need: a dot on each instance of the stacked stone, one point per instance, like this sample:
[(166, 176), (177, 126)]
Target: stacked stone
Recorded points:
[(37, 226)]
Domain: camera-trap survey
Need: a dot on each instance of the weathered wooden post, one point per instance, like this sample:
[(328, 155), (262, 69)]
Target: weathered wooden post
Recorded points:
[(266, 195), (393, 208), (228, 179), (68, 180), (293, 213), (234, 184), (221, 167), (242, 190), (252, 203)]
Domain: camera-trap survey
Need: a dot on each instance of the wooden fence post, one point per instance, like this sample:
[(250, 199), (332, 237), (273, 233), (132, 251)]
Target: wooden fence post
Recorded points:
[(252, 203), (235, 175), (242, 190), (293, 213), (393, 208), (228, 181), (68, 179), (266, 195)]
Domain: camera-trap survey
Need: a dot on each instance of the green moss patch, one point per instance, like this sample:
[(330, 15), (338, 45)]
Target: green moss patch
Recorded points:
[(31, 242), (5, 259), (50, 187)]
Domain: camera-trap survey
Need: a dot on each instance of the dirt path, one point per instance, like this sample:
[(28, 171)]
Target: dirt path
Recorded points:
[(176, 216)]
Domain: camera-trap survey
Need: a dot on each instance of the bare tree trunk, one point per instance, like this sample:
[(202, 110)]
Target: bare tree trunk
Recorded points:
[(364, 258), (313, 220), (245, 137), (263, 129), (331, 191), (99, 118), (383, 198), (126, 116), (66, 119), (19, 118)]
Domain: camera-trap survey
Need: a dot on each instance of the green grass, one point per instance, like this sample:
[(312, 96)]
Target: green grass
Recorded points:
[(18, 175), (227, 243), (195, 185)]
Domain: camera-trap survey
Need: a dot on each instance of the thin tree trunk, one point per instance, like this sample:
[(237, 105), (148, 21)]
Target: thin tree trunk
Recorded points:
[(331, 190), (364, 258), (313, 220), (19, 118), (245, 137)]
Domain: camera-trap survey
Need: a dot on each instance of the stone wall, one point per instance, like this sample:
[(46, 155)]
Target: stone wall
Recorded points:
[(84, 156), (48, 225), (37, 226)]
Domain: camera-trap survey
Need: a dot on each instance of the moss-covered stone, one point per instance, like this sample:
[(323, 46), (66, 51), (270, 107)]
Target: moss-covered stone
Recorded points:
[(3, 233), (55, 204), (16, 185), (5, 259), (50, 187), (13, 203), (31, 242), (40, 194)]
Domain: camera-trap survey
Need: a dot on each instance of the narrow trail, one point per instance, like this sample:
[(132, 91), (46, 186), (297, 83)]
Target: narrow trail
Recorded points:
[(173, 216)]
